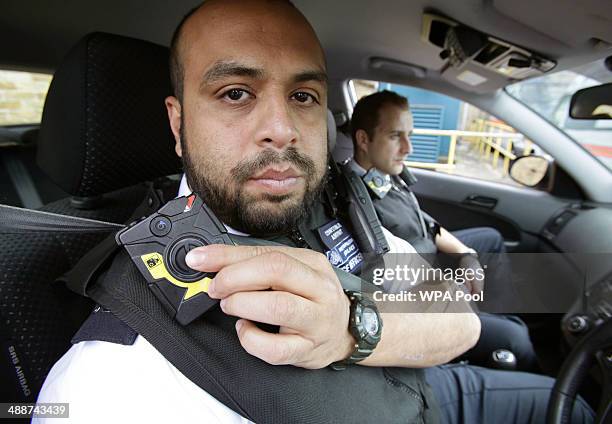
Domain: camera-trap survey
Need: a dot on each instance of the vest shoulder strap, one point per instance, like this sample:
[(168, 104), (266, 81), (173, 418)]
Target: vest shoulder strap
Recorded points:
[(103, 325), (361, 212)]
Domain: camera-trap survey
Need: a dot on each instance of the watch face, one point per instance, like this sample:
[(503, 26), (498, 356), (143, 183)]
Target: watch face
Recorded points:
[(369, 319)]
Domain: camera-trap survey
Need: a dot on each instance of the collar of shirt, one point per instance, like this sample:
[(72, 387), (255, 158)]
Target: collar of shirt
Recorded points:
[(185, 190), (360, 170)]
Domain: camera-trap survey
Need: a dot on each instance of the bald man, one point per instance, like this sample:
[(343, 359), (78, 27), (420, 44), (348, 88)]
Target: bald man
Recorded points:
[(249, 118)]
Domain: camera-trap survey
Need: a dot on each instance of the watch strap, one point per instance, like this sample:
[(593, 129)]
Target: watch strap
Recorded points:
[(362, 349)]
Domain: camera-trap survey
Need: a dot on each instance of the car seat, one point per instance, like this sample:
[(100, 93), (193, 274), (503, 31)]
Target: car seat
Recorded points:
[(104, 131)]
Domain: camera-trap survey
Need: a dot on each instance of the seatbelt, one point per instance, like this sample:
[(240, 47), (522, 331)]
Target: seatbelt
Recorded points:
[(77, 279), (22, 181), (87, 268), (15, 220), (405, 188), (20, 220), (407, 178)]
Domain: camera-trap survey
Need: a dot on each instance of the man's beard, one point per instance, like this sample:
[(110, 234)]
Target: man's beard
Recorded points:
[(240, 210)]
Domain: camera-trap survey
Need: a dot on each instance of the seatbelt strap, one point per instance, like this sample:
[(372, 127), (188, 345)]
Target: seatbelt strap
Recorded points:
[(88, 267), (21, 220), (407, 176), (77, 279), (404, 189), (22, 181)]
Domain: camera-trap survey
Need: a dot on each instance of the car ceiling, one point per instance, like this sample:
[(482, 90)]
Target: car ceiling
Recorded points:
[(35, 34)]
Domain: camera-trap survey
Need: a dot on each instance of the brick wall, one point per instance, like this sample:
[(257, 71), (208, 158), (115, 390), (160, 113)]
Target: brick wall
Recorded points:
[(22, 95)]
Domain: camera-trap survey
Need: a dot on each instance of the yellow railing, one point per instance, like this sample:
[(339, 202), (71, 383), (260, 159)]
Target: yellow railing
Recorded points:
[(485, 125), (486, 146)]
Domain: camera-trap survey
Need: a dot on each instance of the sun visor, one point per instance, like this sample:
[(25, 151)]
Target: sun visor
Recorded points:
[(476, 61)]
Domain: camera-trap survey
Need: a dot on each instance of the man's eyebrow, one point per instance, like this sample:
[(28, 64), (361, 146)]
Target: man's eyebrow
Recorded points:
[(222, 70), (318, 76)]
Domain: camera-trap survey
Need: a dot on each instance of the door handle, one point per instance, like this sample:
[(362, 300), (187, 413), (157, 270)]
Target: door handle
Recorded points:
[(480, 201)]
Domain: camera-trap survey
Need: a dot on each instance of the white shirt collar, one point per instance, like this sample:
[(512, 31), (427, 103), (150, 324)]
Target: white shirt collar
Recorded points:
[(185, 190), (361, 171)]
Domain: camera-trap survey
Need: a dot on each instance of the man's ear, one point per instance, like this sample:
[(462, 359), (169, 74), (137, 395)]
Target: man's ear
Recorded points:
[(173, 106), (362, 140)]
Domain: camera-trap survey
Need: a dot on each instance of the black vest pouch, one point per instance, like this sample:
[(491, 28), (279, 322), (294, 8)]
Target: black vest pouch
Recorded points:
[(208, 352)]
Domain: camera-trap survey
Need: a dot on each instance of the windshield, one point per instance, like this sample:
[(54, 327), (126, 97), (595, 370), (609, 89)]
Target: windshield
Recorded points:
[(550, 97)]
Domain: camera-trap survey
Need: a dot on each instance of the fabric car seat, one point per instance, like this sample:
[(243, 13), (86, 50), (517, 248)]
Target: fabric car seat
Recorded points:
[(104, 131)]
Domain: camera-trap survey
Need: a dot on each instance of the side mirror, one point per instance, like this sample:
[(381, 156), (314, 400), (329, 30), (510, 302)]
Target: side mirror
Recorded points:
[(529, 170), (592, 103)]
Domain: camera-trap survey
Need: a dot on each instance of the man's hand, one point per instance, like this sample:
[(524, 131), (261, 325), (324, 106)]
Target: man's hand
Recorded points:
[(295, 289), (470, 261), (448, 243)]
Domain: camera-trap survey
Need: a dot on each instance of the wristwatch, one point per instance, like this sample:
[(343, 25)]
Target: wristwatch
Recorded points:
[(470, 255), (365, 324)]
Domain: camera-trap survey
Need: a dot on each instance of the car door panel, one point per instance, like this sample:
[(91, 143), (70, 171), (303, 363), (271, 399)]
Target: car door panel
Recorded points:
[(461, 202)]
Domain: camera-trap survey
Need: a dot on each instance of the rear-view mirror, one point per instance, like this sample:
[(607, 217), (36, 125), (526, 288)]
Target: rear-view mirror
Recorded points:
[(592, 103)]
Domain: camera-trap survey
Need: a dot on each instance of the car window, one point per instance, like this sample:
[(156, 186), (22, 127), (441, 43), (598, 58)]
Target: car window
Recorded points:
[(455, 137), (550, 96), (22, 96)]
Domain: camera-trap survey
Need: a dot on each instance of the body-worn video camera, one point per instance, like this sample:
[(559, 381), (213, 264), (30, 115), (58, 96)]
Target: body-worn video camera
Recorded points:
[(158, 246)]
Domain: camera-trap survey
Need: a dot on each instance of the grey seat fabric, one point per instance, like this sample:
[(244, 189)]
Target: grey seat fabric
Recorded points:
[(98, 141), (343, 148)]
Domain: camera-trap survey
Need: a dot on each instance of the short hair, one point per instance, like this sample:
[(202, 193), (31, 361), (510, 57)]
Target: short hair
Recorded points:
[(366, 112), (177, 71)]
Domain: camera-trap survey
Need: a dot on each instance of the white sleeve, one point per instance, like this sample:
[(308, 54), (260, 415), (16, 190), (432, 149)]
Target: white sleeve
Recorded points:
[(108, 383), (396, 244)]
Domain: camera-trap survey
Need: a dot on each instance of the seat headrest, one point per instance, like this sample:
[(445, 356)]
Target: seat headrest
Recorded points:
[(104, 124), (331, 131)]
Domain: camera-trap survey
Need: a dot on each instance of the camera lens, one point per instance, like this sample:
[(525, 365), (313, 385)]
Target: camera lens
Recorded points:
[(160, 226)]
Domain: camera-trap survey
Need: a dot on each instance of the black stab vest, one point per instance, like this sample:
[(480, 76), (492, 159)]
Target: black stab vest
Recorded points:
[(208, 352), (398, 212)]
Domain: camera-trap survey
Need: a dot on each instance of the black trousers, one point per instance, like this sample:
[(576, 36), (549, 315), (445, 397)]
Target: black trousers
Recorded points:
[(472, 395), (482, 239), (499, 289), (503, 332), (498, 331)]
